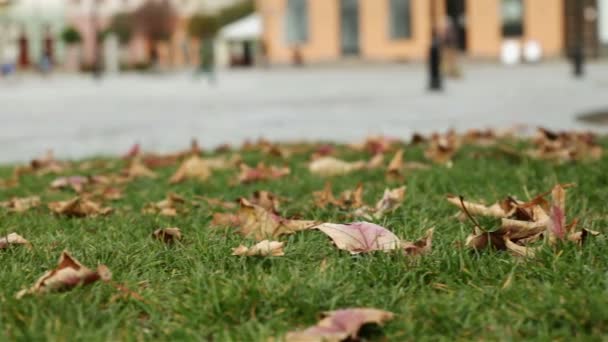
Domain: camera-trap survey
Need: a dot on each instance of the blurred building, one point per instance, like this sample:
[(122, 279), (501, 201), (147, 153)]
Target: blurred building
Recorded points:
[(389, 30), (30, 29), (94, 16)]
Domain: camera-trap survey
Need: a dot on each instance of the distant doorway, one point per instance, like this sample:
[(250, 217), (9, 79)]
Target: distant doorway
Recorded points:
[(349, 27), (457, 14)]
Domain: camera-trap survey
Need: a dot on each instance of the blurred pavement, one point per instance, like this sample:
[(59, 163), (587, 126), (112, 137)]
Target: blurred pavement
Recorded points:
[(76, 116)]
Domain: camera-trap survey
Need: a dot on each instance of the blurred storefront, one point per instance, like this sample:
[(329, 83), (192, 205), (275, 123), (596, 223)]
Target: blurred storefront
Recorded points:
[(389, 30)]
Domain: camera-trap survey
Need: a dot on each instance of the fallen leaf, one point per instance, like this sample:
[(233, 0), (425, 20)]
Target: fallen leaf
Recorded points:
[(564, 147), (263, 248), (170, 206), (375, 144), (498, 210), (365, 237), (442, 148), (260, 223), (168, 235), (261, 173), (77, 183), (13, 239), (137, 169), (192, 168), (395, 167), (68, 274), (340, 325), (78, 207), (19, 205), (390, 201), (266, 200), (330, 166), (349, 199)]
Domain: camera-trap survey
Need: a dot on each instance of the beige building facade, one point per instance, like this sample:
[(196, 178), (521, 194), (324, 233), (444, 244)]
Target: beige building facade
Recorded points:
[(318, 31)]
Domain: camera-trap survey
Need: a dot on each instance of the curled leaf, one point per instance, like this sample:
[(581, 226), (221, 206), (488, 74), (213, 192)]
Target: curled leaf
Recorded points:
[(78, 207), (340, 325), (68, 274), (19, 205), (256, 221), (330, 166), (192, 168), (13, 239), (263, 248), (168, 235)]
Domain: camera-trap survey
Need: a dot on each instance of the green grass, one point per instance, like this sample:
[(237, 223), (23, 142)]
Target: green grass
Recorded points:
[(195, 290)]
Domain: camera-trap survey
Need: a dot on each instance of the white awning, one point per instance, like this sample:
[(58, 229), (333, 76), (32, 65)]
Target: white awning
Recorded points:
[(248, 28)]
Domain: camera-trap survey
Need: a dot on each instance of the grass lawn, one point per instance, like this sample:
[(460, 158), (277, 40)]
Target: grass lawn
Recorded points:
[(196, 290)]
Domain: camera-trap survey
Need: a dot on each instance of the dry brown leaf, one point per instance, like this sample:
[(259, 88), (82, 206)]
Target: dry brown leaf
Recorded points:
[(340, 325), (263, 248), (168, 235), (564, 147), (223, 163), (13, 239), (349, 199), (261, 224), (19, 205), (266, 200), (365, 237), (46, 165), (395, 167), (77, 183), (78, 207), (330, 166), (171, 206), (68, 274), (375, 144), (390, 201), (193, 168), (497, 210), (216, 202), (225, 220), (137, 169), (442, 148), (261, 173)]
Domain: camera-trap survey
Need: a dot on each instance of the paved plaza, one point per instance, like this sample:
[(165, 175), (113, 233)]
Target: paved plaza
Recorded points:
[(77, 116)]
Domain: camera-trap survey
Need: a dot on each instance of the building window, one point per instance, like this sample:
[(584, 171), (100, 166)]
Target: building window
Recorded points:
[(512, 18), (297, 21), (400, 20)]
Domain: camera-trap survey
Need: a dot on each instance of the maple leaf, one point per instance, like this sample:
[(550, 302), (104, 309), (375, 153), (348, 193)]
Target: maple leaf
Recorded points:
[(19, 205), (261, 223), (263, 248), (340, 325), (13, 239), (523, 223), (168, 235), (192, 168), (365, 237), (78, 207), (68, 274)]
